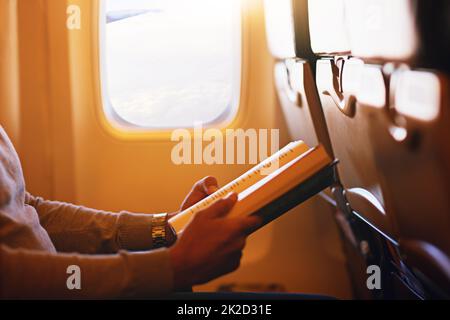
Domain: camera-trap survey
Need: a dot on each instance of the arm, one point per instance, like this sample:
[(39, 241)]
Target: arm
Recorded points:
[(35, 274), (191, 261), (80, 229)]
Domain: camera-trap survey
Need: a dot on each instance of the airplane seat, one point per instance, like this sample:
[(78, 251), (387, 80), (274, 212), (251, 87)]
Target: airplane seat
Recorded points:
[(343, 82), (412, 148), (288, 36), (358, 194), (289, 42), (409, 133)]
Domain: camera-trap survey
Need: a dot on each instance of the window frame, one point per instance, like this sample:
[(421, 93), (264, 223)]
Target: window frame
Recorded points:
[(120, 128)]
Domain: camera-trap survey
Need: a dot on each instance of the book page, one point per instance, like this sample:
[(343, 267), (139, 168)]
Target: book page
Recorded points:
[(278, 159), (283, 180)]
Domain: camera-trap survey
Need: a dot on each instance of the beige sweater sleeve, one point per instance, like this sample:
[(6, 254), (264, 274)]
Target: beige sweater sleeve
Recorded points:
[(36, 274), (79, 229)]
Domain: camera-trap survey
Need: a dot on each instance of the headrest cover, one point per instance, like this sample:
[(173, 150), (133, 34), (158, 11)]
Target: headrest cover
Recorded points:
[(381, 29), (280, 32), (327, 27)]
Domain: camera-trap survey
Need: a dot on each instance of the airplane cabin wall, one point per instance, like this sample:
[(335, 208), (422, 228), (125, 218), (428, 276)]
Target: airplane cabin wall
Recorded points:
[(9, 115), (51, 106)]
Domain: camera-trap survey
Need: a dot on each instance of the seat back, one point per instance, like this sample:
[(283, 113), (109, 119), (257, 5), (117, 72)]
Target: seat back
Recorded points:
[(410, 135), (342, 82), (412, 149), (350, 92), (288, 38)]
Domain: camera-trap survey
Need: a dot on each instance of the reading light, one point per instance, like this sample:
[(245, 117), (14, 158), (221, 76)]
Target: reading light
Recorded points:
[(399, 134), (280, 28)]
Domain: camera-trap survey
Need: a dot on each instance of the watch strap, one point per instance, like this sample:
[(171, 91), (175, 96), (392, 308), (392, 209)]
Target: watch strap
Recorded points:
[(159, 225)]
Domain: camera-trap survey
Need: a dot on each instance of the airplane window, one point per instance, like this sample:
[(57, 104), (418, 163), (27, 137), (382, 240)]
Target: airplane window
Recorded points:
[(170, 63)]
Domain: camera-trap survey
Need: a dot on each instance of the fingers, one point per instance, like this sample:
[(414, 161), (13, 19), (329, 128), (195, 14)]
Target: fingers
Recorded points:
[(233, 262), (251, 224), (207, 185), (221, 207), (200, 190), (229, 264), (238, 244), (244, 226), (236, 259), (237, 226)]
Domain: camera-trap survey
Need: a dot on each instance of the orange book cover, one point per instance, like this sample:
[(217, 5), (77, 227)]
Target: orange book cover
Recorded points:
[(266, 182)]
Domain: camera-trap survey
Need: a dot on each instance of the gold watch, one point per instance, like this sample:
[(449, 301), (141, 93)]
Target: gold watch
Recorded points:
[(159, 224)]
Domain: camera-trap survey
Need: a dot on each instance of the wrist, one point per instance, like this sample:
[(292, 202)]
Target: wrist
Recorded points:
[(171, 215), (159, 230), (171, 235)]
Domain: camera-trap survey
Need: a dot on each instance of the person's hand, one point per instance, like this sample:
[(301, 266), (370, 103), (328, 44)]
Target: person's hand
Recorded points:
[(199, 191), (211, 245)]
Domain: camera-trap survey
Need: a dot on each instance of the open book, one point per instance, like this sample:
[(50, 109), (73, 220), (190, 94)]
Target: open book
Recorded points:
[(276, 185)]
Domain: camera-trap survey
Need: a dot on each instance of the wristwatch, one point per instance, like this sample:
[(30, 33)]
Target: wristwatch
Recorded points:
[(159, 224)]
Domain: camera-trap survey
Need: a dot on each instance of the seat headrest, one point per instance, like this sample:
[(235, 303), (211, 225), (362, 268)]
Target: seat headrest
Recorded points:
[(381, 29), (327, 27), (412, 31), (279, 18), (287, 29)]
